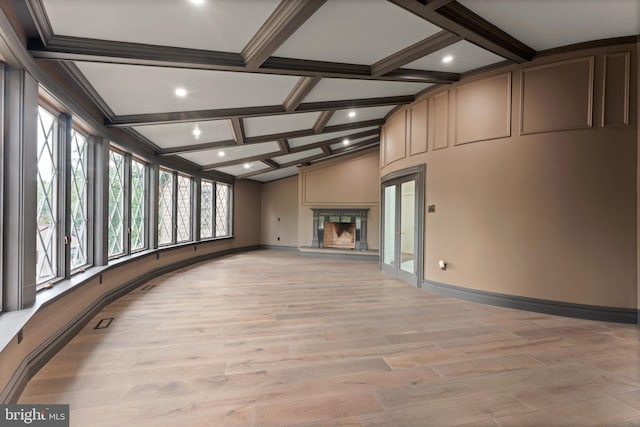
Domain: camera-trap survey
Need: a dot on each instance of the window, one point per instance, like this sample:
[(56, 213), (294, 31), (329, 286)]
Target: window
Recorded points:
[(165, 207), (47, 229), (138, 211), (223, 193), (206, 210), (79, 200), (215, 203), (116, 204), (183, 220)]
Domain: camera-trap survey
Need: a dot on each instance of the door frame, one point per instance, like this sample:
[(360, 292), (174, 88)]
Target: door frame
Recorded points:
[(417, 174)]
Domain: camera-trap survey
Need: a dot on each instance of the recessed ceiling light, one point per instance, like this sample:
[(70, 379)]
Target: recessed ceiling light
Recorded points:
[(345, 141), (198, 2), (352, 114), (181, 92), (197, 132), (221, 154), (247, 165), (447, 59)]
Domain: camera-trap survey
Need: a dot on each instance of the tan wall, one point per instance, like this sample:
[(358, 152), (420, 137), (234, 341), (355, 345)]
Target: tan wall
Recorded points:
[(533, 173), (47, 321), (349, 181), (247, 212), (279, 217)]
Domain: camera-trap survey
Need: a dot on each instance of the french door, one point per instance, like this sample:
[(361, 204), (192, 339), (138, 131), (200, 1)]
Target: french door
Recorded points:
[(403, 224)]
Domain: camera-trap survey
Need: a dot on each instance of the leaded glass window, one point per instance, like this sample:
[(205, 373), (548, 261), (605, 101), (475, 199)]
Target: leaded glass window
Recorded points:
[(116, 204), (47, 198), (206, 210), (223, 193), (183, 219), (165, 207), (79, 200), (138, 211)]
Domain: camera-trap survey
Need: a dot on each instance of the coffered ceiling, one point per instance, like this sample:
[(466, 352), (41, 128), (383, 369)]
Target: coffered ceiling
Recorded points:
[(253, 88)]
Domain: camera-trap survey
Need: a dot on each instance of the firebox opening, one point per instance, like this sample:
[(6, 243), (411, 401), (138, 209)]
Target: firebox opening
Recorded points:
[(340, 235)]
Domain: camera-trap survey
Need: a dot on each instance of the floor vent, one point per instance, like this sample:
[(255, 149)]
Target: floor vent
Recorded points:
[(148, 287), (104, 323)]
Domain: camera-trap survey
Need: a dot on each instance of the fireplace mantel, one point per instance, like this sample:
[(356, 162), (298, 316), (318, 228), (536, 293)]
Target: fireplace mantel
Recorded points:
[(358, 216)]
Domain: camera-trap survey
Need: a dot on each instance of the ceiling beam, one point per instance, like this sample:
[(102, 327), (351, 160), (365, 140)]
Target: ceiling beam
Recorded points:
[(281, 139), (256, 158), (331, 141), (310, 132), (355, 103), (416, 51), (349, 71), (66, 48), (322, 121), (237, 130), (272, 163), (284, 145), (459, 20), (196, 147), (437, 4), (360, 144), (288, 16), (40, 19), (299, 92), (304, 160), (269, 110)]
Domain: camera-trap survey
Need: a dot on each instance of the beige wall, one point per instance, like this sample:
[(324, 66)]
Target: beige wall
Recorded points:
[(279, 217), (349, 181), (533, 173), (49, 320)]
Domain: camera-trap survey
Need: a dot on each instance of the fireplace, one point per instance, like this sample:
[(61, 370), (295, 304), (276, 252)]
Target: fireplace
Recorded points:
[(340, 228)]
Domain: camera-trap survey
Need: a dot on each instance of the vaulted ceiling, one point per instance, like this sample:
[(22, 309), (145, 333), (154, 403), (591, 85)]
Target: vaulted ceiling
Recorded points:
[(253, 88)]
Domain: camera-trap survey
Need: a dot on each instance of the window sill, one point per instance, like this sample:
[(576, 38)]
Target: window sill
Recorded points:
[(13, 321)]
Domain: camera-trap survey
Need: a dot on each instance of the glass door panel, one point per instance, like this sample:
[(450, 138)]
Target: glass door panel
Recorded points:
[(407, 226), (389, 243)]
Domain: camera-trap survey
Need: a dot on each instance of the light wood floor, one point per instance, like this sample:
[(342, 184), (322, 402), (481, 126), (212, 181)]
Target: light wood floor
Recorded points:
[(269, 338)]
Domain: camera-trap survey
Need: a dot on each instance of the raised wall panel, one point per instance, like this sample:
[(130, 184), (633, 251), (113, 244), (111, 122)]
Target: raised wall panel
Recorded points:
[(418, 129), (615, 100), (483, 109), (557, 97), (440, 121), (396, 137)]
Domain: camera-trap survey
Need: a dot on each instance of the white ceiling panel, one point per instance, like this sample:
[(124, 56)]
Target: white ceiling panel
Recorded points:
[(212, 25), (297, 156), (339, 89), (243, 168), (134, 89), (545, 24), (466, 56), (300, 142), (276, 174), (254, 126), (361, 114), (180, 134), (360, 32), (210, 157)]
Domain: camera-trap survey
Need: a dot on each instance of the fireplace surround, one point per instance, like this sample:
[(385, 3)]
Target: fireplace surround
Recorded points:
[(344, 220)]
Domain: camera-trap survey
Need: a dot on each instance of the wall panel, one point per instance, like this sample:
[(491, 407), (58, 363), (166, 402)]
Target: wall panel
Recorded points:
[(440, 121), (615, 100), (418, 128), (396, 138), (557, 97), (483, 109)]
